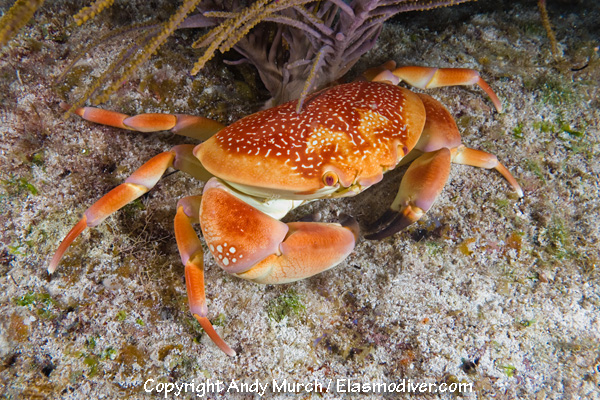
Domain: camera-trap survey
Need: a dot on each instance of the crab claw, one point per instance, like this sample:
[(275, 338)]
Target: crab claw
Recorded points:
[(422, 183), (351, 224), (388, 224)]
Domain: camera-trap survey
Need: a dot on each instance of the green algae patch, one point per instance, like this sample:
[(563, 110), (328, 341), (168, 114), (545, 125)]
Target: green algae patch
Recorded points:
[(44, 305), (509, 370), (92, 363), (19, 185), (121, 316), (286, 305)]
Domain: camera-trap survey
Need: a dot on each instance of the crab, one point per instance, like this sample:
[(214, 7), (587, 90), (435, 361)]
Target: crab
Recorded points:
[(339, 143)]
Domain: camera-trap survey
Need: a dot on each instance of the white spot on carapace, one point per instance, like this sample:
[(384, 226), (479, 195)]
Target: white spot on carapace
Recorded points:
[(219, 248), (225, 261), (232, 250)]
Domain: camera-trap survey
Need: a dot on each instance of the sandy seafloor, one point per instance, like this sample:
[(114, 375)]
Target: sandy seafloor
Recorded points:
[(488, 289)]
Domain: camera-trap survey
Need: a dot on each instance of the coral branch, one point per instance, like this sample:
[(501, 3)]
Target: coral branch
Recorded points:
[(312, 76), (168, 28), (89, 12), (548, 28), (16, 18)]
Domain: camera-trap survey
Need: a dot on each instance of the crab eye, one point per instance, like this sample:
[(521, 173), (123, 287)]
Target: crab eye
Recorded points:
[(330, 178)]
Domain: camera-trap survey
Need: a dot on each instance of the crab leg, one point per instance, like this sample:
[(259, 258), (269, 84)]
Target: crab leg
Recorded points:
[(141, 181), (441, 131), (481, 159), (185, 125), (190, 250), (429, 77)]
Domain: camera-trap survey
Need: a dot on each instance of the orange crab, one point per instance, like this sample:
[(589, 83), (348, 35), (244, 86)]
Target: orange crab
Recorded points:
[(258, 169)]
